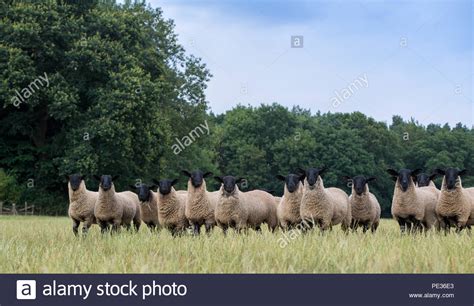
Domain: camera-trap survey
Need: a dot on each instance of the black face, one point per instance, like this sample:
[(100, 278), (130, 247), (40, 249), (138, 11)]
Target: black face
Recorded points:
[(106, 181), (165, 185), (312, 174), (359, 182), (424, 179), (451, 176), (143, 191), (405, 177), (292, 181), (197, 177), (75, 181), (229, 182)]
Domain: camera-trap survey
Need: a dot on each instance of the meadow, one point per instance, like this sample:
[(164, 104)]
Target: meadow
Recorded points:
[(31, 244)]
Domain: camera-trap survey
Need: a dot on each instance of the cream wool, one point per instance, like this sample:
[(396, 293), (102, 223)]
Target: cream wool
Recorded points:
[(325, 207), (456, 207), (200, 206), (242, 210), (149, 211), (171, 211), (288, 210), (81, 207), (117, 208), (365, 210)]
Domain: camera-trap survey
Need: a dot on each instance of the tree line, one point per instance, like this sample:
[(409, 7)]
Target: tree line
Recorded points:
[(122, 95)]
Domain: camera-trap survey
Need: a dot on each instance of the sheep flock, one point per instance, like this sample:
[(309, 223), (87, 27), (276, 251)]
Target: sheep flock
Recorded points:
[(417, 204)]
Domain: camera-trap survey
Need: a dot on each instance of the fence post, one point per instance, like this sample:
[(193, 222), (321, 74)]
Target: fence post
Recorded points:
[(14, 212), (26, 208), (33, 210), (1, 207)]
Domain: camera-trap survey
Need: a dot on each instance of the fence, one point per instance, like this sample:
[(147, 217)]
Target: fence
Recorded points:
[(16, 210)]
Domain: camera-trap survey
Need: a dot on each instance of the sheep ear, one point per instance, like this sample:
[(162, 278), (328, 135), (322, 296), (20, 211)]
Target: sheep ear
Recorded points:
[(240, 180), (300, 170), (115, 177), (132, 187), (66, 177), (185, 172), (371, 178), (462, 172), (219, 179), (156, 182), (83, 177), (416, 172), (207, 174), (280, 177), (152, 186), (392, 172), (347, 178), (439, 171), (433, 176), (97, 177), (174, 182)]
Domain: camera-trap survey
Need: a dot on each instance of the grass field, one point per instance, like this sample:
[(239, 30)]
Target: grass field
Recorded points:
[(47, 245)]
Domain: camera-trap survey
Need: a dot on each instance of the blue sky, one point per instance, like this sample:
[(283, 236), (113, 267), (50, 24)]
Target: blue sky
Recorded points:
[(416, 55)]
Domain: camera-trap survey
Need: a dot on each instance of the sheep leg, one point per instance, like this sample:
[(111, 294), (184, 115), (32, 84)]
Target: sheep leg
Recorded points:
[(196, 229), (104, 227), (208, 228), (75, 226), (258, 229), (374, 227), (403, 225), (365, 228), (152, 227), (85, 227), (353, 225), (116, 226)]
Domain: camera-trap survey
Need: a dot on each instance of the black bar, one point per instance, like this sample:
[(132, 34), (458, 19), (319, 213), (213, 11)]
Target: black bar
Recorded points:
[(250, 289)]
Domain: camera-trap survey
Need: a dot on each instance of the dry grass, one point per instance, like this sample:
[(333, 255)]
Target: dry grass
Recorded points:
[(47, 245)]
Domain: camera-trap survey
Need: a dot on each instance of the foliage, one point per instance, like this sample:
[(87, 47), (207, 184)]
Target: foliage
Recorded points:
[(122, 91)]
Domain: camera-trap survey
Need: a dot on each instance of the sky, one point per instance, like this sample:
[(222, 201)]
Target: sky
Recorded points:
[(382, 58)]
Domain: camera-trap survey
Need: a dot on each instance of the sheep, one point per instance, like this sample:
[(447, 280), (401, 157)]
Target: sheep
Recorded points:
[(412, 207), (426, 180), (243, 210), (455, 205), (200, 203), (149, 205), (288, 209), (323, 207), (171, 207), (423, 180), (81, 203), (365, 208), (115, 208)]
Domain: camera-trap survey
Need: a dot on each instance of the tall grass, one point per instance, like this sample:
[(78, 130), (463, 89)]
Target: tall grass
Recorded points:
[(47, 245)]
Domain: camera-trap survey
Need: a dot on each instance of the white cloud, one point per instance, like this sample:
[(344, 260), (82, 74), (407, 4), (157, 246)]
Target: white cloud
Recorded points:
[(252, 61)]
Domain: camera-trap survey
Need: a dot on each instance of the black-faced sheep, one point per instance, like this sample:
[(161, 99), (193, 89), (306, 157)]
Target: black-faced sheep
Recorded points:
[(149, 204), (242, 210), (81, 203), (171, 207), (365, 207), (412, 207), (323, 207), (200, 203), (455, 205), (288, 211), (116, 208)]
